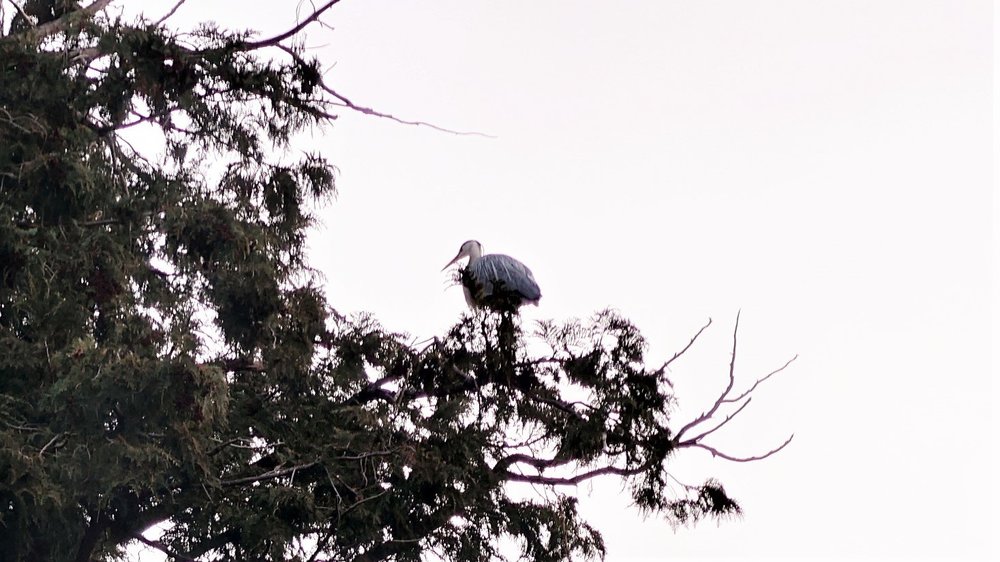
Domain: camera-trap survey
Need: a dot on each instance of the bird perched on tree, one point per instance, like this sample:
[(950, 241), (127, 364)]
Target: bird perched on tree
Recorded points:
[(495, 281)]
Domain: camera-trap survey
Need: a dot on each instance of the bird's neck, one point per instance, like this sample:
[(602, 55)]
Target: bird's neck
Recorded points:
[(474, 254)]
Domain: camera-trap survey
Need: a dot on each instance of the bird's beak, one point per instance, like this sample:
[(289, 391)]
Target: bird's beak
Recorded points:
[(453, 260)]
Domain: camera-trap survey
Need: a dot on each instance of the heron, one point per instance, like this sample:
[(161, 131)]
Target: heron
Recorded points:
[(495, 281)]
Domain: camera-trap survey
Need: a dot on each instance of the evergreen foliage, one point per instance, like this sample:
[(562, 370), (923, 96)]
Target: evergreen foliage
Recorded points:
[(167, 357)]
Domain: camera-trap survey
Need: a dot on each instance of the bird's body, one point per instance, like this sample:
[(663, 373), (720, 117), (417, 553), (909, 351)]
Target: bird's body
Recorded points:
[(495, 280)]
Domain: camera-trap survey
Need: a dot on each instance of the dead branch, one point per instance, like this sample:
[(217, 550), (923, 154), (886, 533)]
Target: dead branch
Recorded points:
[(52, 441), (762, 379), (343, 101), (26, 17), (724, 398), (170, 13), (717, 453), (270, 475), (715, 407), (686, 347), (722, 423), (273, 41), (661, 372)]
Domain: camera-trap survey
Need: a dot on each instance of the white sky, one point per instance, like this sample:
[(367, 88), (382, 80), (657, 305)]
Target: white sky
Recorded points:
[(826, 167)]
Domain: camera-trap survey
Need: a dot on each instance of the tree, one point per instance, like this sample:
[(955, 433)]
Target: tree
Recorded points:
[(167, 356)]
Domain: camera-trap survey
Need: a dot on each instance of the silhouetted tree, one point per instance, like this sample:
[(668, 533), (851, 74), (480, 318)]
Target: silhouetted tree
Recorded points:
[(167, 357)]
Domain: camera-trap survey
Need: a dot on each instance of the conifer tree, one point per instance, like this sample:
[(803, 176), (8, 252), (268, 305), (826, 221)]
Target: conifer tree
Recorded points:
[(167, 357)]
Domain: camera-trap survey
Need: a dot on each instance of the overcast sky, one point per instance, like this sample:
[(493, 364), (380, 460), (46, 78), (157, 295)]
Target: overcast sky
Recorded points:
[(824, 166)]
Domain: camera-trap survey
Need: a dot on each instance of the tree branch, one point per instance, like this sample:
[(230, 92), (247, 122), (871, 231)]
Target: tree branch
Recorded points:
[(571, 480), (686, 347), (273, 41), (40, 32), (343, 101), (162, 548), (716, 453), (97, 525), (715, 407), (170, 13), (271, 475), (762, 379), (26, 17), (519, 458), (417, 530), (724, 398), (222, 539), (722, 423)]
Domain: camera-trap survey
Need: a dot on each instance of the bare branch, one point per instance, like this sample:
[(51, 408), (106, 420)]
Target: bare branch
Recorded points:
[(26, 17), (724, 398), (715, 407), (716, 453), (686, 347), (369, 111), (722, 423), (572, 480), (58, 25), (232, 442), (271, 475), (54, 439), (343, 101), (273, 41), (760, 380), (170, 13)]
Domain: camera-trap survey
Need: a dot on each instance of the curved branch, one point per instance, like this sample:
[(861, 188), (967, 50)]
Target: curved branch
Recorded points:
[(725, 393), (717, 453), (686, 347), (343, 101), (571, 480), (170, 13), (40, 32), (722, 423), (268, 475), (273, 41), (724, 398), (762, 379)]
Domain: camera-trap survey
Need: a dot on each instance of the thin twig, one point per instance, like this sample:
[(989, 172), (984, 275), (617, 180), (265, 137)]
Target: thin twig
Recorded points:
[(762, 379), (722, 423), (27, 18), (55, 438), (729, 387), (170, 13), (268, 475), (686, 347), (272, 41), (716, 453), (343, 101)]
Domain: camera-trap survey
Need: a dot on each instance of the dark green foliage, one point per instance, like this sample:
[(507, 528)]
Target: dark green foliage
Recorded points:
[(167, 358)]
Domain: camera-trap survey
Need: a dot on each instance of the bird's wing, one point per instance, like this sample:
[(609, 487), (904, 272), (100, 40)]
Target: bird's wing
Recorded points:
[(498, 269)]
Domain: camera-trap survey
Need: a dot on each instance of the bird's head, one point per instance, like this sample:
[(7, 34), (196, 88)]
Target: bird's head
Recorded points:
[(471, 249)]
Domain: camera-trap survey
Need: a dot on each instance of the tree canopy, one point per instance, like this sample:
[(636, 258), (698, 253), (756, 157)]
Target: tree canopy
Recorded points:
[(167, 356)]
